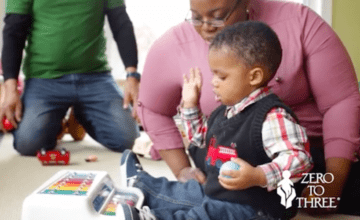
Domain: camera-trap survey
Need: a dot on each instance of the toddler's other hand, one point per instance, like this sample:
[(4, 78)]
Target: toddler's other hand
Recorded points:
[(189, 173), (246, 177)]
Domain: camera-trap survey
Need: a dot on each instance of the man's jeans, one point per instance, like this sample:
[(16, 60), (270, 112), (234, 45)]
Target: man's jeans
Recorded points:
[(172, 200), (98, 106)]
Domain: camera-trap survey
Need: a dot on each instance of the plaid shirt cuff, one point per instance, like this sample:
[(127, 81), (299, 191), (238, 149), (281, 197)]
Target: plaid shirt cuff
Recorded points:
[(273, 175), (190, 113)]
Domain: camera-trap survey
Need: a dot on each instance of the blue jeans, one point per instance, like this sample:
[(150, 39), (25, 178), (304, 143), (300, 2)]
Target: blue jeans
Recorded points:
[(172, 200), (98, 106)]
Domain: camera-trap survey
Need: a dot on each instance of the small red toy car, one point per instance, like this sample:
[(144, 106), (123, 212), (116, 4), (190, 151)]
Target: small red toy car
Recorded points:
[(54, 157)]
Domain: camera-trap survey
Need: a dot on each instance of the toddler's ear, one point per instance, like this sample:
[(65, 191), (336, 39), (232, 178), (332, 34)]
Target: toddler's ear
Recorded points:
[(256, 77)]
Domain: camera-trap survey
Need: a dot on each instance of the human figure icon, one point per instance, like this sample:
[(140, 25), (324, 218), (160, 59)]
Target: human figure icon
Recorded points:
[(286, 190)]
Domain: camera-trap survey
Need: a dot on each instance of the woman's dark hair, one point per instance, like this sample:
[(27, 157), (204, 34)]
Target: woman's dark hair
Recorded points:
[(254, 42)]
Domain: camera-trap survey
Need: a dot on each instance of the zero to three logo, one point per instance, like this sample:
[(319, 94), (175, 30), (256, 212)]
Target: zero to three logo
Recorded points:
[(315, 200)]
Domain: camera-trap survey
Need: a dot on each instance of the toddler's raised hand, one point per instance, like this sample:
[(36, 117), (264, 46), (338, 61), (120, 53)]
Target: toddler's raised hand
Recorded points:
[(191, 88)]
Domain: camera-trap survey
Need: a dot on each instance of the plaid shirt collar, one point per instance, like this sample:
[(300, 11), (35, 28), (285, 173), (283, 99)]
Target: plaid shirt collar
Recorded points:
[(252, 98)]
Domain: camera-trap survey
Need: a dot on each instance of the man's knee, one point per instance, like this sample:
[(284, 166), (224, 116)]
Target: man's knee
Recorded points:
[(128, 143), (123, 143), (28, 144), (122, 135), (25, 147), (25, 151)]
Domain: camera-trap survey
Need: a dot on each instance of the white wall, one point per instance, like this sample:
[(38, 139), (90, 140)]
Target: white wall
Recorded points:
[(322, 7), (150, 19)]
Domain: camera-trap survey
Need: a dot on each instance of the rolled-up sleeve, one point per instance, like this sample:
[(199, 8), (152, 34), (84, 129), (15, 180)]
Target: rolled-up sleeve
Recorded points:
[(334, 86), (161, 129)]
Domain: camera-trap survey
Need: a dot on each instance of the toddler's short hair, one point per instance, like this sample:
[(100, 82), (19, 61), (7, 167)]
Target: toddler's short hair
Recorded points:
[(254, 42)]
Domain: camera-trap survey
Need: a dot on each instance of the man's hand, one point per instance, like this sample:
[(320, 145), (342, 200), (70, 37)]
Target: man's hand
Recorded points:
[(11, 106), (247, 176), (189, 173), (131, 95)]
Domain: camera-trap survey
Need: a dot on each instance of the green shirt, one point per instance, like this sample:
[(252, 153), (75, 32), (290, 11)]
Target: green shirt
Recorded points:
[(67, 36)]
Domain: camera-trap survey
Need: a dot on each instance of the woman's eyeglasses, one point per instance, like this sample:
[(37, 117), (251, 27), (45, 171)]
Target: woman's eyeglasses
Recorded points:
[(214, 22)]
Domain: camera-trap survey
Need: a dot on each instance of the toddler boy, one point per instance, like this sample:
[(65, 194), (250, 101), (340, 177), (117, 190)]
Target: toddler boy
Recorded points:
[(252, 127)]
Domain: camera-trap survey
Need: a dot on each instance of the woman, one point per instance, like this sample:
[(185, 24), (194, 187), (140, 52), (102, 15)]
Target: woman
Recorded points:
[(316, 79)]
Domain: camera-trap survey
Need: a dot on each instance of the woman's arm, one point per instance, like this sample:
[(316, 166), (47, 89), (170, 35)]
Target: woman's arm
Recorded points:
[(334, 87), (159, 96), (166, 138)]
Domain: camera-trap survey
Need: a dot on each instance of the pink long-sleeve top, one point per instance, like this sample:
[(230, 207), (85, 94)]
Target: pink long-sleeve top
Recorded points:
[(316, 78)]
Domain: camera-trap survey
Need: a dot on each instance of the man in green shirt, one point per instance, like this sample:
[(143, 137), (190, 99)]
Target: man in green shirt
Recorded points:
[(65, 65)]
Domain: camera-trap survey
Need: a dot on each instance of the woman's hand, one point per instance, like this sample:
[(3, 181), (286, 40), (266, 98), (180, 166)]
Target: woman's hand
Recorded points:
[(247, 176), (330, 189), (191, 88), (189, 173), (323, 193)]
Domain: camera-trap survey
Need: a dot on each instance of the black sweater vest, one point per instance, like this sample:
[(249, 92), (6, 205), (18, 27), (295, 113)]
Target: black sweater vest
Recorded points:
[(240, 136)]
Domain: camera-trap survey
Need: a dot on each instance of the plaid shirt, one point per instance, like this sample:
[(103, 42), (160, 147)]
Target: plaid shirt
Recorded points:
[(284, 140)]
